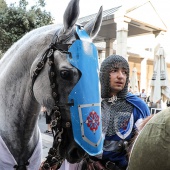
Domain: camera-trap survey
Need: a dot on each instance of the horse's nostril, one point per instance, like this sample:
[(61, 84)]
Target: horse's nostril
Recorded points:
[(76, 154)]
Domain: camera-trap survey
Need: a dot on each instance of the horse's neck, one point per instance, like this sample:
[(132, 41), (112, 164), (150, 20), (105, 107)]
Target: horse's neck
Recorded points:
[(19, 110), (15, 76), (14, 90)]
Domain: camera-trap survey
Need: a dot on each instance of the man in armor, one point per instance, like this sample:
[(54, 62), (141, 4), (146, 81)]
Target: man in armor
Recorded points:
[(122, 113)]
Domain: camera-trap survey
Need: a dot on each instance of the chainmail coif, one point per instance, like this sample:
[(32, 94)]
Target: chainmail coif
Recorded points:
[(115, 114), (111, 62)]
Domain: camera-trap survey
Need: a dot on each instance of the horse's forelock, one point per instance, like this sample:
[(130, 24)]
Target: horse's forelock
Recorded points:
[(66, 36)]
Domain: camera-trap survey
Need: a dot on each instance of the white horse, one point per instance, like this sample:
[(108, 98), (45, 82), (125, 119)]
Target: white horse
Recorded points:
[(26, 84)]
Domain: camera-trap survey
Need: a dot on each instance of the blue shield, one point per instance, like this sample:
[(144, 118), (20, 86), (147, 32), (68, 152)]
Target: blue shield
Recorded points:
[(86, 112)]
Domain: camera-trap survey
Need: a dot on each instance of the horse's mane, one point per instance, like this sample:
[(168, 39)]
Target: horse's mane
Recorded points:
[(25, 50), (35, 36)]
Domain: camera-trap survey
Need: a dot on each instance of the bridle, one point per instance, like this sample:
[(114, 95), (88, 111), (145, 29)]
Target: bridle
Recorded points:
[(57, 124)]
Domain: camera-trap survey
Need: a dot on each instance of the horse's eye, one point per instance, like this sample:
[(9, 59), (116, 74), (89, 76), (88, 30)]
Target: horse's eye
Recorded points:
[(66, 74)]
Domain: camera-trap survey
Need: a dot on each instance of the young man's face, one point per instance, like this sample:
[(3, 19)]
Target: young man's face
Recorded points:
[(118, 78)]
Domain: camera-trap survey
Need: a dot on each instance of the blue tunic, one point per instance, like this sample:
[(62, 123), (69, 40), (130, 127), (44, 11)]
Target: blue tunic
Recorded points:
[(140, 111)]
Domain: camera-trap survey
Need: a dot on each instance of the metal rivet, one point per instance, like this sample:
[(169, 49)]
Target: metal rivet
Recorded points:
[(68, 124), (50, 63), (56, 107), (59, 140), (52, 74), (53, 86), (54, 94)]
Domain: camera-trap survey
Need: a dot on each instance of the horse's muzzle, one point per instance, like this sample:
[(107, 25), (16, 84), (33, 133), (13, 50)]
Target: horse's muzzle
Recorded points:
[(75, 153)]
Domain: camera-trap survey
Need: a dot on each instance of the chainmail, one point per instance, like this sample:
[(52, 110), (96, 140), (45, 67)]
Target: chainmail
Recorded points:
[(115, 116), (111, 62), (116, 111)]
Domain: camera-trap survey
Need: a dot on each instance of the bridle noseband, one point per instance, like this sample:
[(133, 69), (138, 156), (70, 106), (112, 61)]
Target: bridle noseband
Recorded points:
[(57, 125)]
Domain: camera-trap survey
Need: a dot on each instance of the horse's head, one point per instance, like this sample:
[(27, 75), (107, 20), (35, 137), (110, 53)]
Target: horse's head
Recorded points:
[(70, 66)]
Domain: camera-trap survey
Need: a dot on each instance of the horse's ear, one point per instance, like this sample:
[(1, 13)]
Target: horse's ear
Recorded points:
[(93, 26), (71, 15)]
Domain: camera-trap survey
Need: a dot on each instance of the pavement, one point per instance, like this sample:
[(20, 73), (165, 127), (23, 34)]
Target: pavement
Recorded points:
[(47, 139)]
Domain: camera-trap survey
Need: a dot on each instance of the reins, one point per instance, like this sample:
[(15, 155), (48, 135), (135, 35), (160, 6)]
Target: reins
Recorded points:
[(57, 125)]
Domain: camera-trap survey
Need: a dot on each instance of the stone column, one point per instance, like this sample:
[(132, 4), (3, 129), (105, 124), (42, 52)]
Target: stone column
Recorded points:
[(100, 54), (109, 47), (121, 36)]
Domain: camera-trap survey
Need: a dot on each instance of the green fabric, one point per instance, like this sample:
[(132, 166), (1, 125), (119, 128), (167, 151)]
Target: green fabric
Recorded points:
[(151, 150)]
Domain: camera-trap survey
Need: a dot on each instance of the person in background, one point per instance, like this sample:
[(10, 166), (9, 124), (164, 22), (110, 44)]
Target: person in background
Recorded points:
[(48, 119), (168, 103), (143, 95), (122, 113)]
